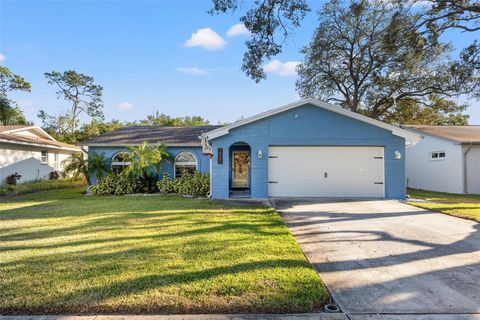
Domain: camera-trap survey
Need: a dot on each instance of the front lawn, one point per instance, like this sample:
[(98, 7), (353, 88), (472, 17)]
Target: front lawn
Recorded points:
[(63, 252), (458, 205)]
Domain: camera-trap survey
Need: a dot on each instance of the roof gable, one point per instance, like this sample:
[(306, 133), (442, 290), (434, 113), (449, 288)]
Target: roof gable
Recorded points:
[(25, 130), (411, 137), (32, 136)]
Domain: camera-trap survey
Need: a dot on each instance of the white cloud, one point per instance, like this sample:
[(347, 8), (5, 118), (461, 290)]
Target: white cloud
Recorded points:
[(2, 57), (194, 71), (237, 30), (124, 106), (284, 69), (205, 38)]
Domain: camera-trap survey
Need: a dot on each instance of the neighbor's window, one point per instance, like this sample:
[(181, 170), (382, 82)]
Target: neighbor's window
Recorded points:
[(44, 156), (437, 155), (185, 162), (120, 161)]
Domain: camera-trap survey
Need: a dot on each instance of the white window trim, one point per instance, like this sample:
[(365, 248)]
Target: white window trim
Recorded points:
[(191, 163), (118, 163), (438, 153), (41, 157)]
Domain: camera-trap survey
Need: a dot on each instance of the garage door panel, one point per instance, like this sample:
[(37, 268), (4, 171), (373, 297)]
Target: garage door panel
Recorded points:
[(326, 172)]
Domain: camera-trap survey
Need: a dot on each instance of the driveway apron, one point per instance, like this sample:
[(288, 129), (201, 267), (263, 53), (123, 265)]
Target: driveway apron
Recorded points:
[(388, 257)]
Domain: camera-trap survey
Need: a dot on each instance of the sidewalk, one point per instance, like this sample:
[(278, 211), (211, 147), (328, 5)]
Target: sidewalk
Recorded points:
[(303, 316)]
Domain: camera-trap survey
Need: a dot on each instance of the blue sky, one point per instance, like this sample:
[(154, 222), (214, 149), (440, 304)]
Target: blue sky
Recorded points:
[(144, 55)]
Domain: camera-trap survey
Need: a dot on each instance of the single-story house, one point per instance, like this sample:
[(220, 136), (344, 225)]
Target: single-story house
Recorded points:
[(305, 149), (446, 160), (31, 152)]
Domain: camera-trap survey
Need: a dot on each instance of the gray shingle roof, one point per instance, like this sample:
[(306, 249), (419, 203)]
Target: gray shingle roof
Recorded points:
[(134, 135)]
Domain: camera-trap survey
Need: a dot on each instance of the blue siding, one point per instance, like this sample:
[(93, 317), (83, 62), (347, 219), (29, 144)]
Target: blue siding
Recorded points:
[(203, 160), (313, 126)]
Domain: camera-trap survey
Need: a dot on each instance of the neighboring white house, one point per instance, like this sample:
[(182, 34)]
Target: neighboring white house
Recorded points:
[(31, 152), (446, 160)]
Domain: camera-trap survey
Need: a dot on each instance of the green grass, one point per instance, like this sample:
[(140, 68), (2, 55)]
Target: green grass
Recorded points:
[(39, 185), (458, 205), (63, 252)]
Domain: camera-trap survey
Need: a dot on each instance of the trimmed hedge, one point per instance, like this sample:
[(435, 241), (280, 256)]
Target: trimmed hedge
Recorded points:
[(116, 184), (190, 184)]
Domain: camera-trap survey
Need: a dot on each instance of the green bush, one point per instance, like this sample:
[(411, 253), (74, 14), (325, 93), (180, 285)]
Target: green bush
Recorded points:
[(192, 184), (116, 184), (39, 185), (166, 185)]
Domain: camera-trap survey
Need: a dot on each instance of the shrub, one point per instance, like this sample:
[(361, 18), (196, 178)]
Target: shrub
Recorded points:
[(39, 185), (54, 175), (196, 184), (166, 185), (13, 178), (116, 184)]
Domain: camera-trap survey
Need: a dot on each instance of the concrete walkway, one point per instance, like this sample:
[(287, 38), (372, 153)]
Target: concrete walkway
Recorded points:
[(387, 257)]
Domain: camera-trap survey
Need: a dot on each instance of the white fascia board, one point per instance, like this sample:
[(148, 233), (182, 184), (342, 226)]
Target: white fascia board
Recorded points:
[(410, 136), (36, 128), (39, 145)]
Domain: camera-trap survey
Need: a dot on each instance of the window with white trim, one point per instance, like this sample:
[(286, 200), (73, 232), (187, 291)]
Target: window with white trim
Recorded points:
[(44, 156), (185, 162), (120, 161), (437, 155)]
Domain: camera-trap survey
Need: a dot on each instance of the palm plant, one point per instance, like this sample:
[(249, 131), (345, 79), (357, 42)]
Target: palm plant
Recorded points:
[(77, 166), (97, 165), (144, 159), (160, 155)]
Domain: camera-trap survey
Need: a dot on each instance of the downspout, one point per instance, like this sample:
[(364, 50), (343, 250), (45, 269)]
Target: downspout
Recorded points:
[(465, 182), (88, 184), (210, 187)]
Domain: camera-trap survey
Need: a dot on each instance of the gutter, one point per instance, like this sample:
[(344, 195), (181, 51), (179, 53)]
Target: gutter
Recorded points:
[(465, 175), (41, 145)]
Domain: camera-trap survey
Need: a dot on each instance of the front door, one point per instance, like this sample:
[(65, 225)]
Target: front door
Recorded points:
[(240, 169)]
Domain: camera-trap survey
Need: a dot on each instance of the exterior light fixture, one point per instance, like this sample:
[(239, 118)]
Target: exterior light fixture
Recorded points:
[(260, 154), (398, 155), (296, 117)]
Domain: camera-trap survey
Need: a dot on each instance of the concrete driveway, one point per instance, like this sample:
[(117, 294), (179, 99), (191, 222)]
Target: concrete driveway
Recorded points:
[(388, 257)]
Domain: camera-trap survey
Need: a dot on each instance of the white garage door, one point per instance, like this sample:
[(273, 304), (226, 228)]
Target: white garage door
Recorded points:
[(325, 172)]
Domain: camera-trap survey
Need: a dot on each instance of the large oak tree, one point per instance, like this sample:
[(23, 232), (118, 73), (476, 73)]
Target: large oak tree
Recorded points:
[(407, 69), (367, 58)]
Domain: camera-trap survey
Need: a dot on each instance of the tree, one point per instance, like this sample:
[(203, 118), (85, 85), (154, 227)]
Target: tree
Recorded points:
[(145, 158), (443, 112), (366, 58), (97, 165), (10, 113), (77, 166), (441, 15), (264, 20), (80, 91), (161, 119)]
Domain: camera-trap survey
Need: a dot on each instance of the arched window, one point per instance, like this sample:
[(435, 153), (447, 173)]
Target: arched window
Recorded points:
[(120, 161), (185, 161)]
